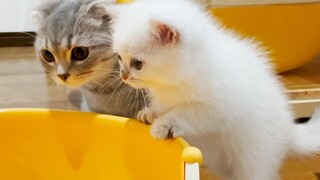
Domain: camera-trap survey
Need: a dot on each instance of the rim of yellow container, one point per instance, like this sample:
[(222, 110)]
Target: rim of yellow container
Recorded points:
[(189, 154)]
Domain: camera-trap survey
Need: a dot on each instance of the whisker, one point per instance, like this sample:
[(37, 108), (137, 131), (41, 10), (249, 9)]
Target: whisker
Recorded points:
[(113, 92), (130, 100), (144, 98), (122, 87), (109, 83), (29, 34)]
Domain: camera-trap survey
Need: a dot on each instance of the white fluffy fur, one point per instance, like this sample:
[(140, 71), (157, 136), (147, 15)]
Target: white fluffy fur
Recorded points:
[(212, 88)]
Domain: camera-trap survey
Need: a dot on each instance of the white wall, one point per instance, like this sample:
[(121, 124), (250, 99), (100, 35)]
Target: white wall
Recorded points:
[(14, 15), (253, 2)]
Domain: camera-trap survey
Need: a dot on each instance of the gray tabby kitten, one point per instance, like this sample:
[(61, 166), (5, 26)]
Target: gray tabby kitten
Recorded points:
[(74, 45)]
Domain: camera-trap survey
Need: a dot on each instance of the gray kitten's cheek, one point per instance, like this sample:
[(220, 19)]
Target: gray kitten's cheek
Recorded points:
[(58, 81), (73, 85)]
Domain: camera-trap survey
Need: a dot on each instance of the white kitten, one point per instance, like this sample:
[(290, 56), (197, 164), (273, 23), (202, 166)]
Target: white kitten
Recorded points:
[(210, 87)]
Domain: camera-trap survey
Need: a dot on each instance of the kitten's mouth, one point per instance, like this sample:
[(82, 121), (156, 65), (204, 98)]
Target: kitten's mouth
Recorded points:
[(134, 82), (75, 81), (72, 84), (135, 79)]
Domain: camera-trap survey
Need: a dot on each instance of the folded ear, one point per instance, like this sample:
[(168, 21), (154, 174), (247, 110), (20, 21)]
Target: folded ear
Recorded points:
[(98, 10), (163, 33), (43, 10), (36, 17)]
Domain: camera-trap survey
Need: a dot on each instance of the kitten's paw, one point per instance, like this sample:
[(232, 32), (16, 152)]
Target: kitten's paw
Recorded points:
[(163, 130), (146, 116), (84, 107)]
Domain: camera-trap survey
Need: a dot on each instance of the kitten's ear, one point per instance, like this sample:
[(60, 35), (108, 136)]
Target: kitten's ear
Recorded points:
[(36, 17), (100, 9), (163, 33)]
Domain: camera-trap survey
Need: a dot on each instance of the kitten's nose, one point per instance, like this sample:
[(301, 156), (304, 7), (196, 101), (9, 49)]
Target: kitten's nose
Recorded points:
[(124, 76), (63, 77)]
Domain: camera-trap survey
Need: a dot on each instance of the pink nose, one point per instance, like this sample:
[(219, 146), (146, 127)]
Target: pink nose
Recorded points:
[(63, 77), (124, 76)]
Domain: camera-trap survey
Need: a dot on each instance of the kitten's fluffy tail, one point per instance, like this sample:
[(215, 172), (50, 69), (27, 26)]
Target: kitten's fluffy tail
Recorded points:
[(307, 136)]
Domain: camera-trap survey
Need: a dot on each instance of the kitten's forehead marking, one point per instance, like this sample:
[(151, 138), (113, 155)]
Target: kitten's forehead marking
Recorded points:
[(49, 45), (65, 43), (46, 42), (66, 47), (68, 55), (70, 37)]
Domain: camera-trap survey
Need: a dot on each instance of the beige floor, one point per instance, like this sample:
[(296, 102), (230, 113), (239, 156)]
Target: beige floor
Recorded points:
[(23, 84)]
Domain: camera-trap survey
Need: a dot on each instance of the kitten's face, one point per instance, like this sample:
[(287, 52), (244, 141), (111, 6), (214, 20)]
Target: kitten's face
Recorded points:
[(149, 56), (73, 42)]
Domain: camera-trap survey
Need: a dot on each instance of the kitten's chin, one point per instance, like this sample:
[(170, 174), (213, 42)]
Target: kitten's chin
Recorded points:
[(74, 86), (71, 84), (135, 85)]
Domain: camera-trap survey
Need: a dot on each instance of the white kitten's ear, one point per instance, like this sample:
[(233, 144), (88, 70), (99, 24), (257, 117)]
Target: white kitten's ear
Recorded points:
[(36, 17), (163, 33)]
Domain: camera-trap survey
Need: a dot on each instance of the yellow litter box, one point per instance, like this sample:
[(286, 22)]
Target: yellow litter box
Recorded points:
[(43, 144)]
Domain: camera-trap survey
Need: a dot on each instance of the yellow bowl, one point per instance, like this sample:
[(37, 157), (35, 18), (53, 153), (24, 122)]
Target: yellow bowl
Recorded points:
[(47, 144), (291, 32)]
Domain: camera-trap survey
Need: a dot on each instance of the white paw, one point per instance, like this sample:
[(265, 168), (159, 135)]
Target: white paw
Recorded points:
[(146, 116), (84, 107), (163, 130)]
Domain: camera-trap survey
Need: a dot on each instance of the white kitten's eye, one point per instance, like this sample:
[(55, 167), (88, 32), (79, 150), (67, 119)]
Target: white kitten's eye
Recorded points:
[(136, 63), (119, 57), (47, 55)]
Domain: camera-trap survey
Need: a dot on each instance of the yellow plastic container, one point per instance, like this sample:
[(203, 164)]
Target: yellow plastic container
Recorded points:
[(40, 144), (290, 31)]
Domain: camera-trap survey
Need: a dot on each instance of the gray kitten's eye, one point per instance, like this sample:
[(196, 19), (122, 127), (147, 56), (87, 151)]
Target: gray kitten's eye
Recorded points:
[(79, 53), (136, 63), (47, 55)]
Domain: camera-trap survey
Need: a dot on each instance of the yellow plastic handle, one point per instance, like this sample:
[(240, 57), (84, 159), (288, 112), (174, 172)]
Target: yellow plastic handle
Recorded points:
[(192, 155)]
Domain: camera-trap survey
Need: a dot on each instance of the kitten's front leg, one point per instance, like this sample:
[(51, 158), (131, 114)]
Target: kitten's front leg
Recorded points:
[(84, 107), (147, 115), (167, 126)]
